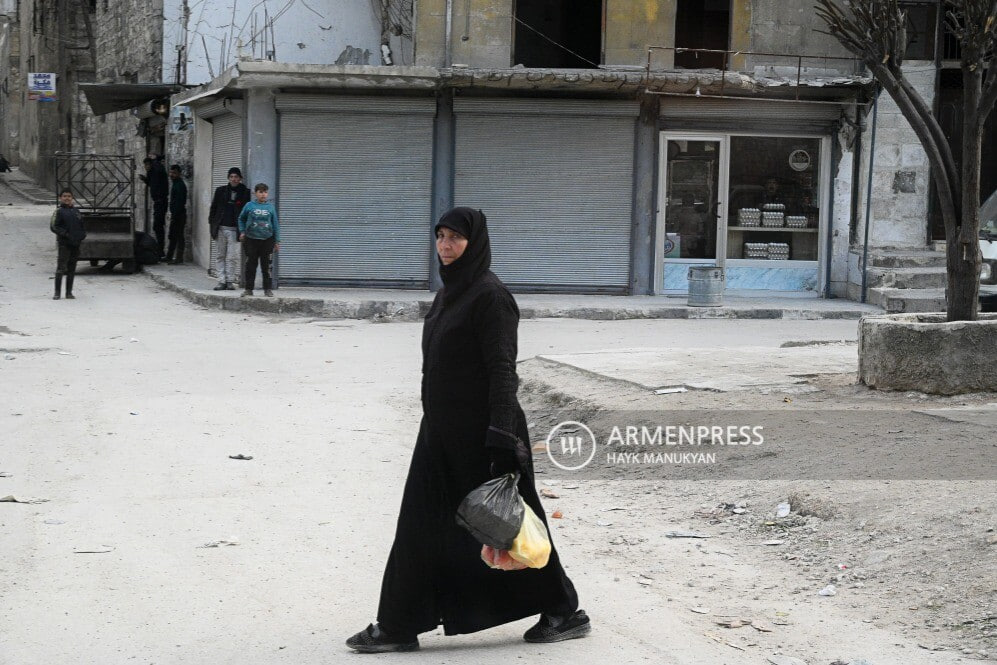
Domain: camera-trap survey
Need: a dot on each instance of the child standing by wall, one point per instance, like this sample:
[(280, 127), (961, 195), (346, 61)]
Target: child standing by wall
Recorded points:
[(260, 236), (67, 225)]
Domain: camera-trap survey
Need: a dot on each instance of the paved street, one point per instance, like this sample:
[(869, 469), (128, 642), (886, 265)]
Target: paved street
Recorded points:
[(120, 411)]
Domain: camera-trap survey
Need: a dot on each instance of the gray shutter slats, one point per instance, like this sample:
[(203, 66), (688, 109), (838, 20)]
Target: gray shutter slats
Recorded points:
[(354, 196), (557, 192)]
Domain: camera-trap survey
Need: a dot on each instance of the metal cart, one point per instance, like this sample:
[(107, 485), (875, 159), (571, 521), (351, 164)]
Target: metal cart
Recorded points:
[(104, 189)]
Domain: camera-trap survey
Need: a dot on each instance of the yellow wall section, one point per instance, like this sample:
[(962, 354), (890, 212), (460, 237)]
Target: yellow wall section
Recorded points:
[(740, 31), (633, 25)]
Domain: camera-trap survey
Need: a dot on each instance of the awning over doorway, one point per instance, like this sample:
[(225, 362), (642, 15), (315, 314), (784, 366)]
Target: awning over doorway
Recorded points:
[(110, 97)]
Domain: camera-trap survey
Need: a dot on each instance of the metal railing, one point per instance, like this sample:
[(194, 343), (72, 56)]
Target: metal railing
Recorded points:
[(100, 183), (726, 57)]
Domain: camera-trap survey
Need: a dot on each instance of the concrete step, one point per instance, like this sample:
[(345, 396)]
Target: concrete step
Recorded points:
[(897, 301), (907, 278), (906, 259)]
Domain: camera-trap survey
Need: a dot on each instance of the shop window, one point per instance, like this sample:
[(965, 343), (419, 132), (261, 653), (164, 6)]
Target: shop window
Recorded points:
[(774, 204), (921, 20), (702, 24), (558, 34)]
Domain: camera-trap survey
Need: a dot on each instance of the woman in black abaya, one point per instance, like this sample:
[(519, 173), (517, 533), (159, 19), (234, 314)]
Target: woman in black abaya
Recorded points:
[(472, 430)]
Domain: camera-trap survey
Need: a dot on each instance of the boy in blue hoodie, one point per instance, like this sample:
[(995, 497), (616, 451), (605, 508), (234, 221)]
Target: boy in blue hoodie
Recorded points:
[(260, 237)]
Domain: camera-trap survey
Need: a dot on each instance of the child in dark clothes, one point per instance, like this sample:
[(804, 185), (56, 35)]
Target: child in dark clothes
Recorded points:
[(67, 225)]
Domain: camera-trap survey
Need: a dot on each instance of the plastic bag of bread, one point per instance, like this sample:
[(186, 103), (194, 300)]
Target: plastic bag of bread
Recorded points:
[(532, 545), (499, 559)]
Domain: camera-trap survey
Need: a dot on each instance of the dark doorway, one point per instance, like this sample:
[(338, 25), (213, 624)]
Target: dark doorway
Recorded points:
[(950, 119), (564, 34), (702, 24)]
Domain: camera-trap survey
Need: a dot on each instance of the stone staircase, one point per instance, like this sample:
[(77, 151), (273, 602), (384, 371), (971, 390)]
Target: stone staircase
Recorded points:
[(906, 280)]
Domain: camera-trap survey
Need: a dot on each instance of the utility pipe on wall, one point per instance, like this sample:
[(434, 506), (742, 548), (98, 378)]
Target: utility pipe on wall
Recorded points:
[(868, 197), (448, 39)]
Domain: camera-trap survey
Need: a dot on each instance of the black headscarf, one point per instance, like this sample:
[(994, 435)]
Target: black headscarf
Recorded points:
[(476, 259)]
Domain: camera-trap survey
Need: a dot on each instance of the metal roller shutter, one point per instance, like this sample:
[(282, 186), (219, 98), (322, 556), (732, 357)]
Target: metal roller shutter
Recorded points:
[(555, 180), (688, 113), (355, 190), (226, 152)]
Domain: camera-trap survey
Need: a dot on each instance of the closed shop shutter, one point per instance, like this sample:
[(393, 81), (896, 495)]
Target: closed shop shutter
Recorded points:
[(555, 179), (226, 152), (747, 115), (355, 190)]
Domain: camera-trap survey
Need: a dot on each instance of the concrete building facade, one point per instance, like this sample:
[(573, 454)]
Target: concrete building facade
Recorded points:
[(548, 119)]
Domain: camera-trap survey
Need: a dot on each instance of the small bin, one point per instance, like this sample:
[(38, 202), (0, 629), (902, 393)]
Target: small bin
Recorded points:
[(706, 286)]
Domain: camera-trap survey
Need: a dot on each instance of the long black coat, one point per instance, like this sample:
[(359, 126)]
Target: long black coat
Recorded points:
[(434, 573)]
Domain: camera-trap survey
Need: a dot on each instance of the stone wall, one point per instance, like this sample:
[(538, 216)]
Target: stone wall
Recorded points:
[(10, 81), (900, 171)]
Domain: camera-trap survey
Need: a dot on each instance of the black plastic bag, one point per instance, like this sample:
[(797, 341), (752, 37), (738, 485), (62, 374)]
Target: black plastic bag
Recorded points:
[(493, 512)]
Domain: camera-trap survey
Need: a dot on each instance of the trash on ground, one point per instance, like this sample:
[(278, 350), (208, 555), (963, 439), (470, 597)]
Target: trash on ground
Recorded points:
[(782, 510), (5, 474), (219, 543), (100, 549), (133, 339), (549, 494), (829, 590), (557, 514), (10, 498), (54, 522), (699, 610), (761, 626), (240, 456), (685, 534), (785, 660), (570, 487), (733, 623), (603, 523), (774, 542), (540, 447), (670, 391)]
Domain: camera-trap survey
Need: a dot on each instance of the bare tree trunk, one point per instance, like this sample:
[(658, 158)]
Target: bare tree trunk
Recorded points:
[(963, 248)]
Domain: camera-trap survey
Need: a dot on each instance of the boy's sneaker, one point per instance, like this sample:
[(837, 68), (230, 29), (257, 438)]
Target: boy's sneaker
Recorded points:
[(229, 286), (70, 296), (558, 629), (268, 293), (221, 286), (247, 292), (374, 640)]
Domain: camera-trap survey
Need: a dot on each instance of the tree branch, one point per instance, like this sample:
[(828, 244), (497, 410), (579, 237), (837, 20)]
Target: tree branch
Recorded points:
[(947, 182)]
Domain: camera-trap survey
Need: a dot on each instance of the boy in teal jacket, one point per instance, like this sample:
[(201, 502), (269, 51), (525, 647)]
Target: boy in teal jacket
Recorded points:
[(259, 233)]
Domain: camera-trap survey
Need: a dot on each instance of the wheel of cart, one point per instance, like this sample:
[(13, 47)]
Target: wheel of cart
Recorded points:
[(104, 189)]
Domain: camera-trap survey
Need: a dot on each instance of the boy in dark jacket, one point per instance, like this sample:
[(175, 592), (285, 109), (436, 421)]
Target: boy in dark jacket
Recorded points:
[(67, 225), (224, 219)]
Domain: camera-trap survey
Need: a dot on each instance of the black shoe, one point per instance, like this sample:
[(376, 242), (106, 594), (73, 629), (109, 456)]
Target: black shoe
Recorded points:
[(176, 262), (374, 640), (70, 296), (221, 287), (558, 629)]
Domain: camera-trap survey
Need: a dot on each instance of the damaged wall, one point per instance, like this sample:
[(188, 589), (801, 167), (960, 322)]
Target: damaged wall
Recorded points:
[(10, 80), (217, 34)]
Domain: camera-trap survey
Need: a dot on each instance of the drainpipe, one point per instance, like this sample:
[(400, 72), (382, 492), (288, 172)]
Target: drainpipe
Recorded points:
[(448, 39), (868, 198), (829, 247)]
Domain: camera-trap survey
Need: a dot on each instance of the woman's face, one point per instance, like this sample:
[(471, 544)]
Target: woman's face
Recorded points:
[(449, 245)]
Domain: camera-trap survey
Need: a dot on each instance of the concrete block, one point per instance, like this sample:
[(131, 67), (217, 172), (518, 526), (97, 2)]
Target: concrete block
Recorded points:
[(924, 352), (912, 154), (887, 155)]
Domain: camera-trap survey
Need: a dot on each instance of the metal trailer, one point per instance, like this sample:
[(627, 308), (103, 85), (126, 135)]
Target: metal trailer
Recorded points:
[(104, 189)]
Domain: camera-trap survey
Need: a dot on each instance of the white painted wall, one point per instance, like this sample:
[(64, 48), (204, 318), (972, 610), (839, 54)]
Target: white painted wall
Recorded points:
[(305, 31), (8, 7)]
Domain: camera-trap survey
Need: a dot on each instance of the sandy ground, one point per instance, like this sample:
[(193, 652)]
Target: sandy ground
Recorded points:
[(120, 411)]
